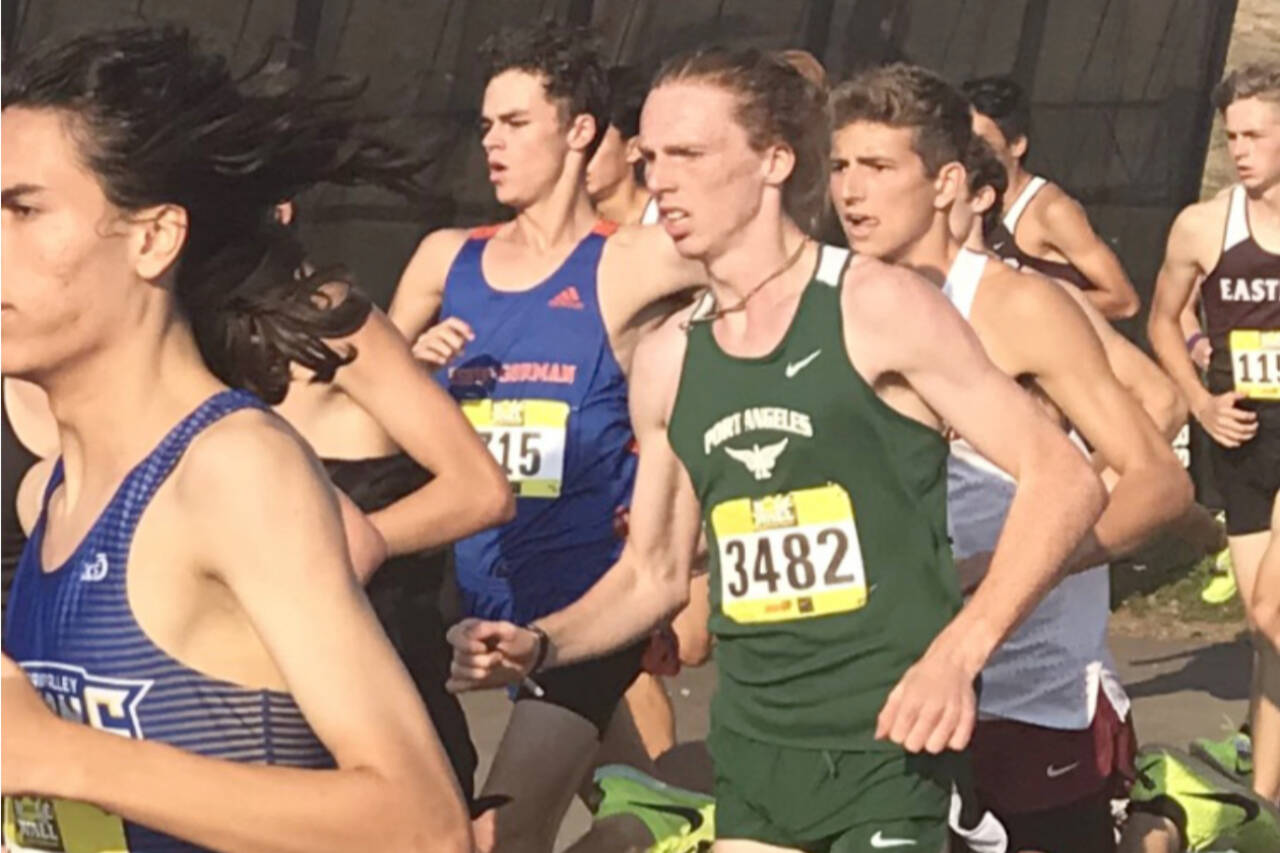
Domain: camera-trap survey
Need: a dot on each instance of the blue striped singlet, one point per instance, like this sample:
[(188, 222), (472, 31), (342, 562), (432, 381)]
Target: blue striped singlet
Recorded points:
[(542, 387), (73, 632)]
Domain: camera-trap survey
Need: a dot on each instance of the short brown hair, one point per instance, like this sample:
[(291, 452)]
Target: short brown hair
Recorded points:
[(902, 95), (1256, 80), (776, 104)]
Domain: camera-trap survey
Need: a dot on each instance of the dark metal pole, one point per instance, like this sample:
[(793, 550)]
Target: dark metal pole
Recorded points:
[(1030, 43), (306, 31), (1224, 15), (817, 30), (581, 12), (9, 20)]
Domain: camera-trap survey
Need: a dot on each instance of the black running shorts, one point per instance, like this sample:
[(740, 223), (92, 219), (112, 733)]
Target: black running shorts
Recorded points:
[(591, 689), (1248, 476)]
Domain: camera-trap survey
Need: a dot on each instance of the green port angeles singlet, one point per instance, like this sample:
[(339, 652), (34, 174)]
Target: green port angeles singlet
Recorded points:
[(825, 513)]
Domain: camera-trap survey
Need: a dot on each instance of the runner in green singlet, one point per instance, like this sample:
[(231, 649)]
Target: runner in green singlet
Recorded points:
[(797, 411)]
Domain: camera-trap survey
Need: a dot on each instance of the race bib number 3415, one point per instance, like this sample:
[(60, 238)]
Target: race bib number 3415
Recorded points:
[(793, 555), (527, 438), (1255, 363)]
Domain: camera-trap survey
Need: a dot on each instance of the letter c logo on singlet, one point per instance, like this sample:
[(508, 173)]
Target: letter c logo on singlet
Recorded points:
[(107, 704)]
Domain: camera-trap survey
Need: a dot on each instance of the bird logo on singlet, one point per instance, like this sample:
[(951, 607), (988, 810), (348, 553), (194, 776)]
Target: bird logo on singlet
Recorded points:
[(760, 461)]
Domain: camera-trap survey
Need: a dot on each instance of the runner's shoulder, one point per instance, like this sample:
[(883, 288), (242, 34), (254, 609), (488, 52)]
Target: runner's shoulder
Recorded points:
[(238, 457), (1204, 217), (437, 250), (640, 264), (1024, 301), (1070, 291), (647, 245), (665, 344), (659, 357), (880, 296), (633, 236), (1023, 289), (1052, 204)]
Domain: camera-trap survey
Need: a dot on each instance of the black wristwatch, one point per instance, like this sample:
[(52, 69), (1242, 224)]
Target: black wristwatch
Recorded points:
[(544, 646)]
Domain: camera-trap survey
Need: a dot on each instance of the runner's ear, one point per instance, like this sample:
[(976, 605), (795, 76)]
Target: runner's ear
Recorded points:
[(582, 131)]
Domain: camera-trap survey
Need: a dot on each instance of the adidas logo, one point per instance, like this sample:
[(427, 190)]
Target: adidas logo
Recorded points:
[(567, 298)]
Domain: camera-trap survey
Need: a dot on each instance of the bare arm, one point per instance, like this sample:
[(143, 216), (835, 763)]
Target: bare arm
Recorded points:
[(650, 580), (1047, 337), (642, 282), (288, 570), (1067, 229), (1175, 284), (1189, 317), (1189, 321), (905, 326), (421, 288), (469, 491), (1154, 391), (1178, 274)]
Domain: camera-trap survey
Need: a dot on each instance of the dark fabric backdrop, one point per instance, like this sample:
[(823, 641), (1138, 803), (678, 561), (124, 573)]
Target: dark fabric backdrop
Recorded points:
[(1120, 88)]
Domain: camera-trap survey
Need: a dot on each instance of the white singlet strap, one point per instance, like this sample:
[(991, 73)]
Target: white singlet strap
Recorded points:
[(1237, 219), (1020, 205), (705, 305), (961, 285), (831, 264), (650, 214)]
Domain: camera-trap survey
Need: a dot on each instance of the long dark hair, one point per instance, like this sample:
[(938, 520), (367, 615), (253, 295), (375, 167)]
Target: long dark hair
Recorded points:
[(161, 121)]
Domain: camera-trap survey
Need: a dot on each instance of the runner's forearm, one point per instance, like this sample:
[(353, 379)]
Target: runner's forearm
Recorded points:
[(274, 808), (226, 805), (1142, 502), (623, 607), (1112, 305), (1171, 349), (443, 511)]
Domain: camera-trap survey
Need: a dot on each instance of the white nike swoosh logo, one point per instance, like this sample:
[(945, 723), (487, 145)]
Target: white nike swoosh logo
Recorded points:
[(879, 842), (1054, 772), (796, 366)]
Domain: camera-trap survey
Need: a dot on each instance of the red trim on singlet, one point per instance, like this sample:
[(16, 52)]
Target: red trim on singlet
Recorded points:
[(483, 232), (604, 228)]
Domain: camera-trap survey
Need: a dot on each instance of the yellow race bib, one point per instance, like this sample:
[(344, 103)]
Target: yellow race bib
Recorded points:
[(527, 438), (1255, 363), (43, 824), (793, 555)]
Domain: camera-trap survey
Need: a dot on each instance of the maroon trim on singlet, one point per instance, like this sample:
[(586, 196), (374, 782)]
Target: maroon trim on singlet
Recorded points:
[(1242, 291), (1004, 245)]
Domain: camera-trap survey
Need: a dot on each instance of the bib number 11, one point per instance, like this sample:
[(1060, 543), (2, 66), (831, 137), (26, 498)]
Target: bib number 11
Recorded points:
[(1255, 363)]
